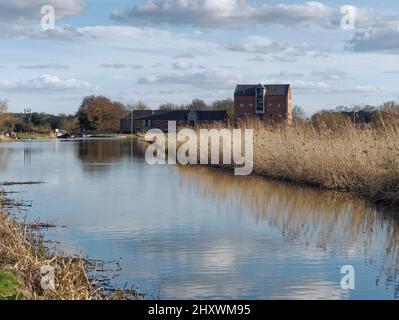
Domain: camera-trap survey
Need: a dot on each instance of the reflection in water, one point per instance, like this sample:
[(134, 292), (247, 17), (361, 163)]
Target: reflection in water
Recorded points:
[(28, 154), (325, 219), (195, 232), (4, 158), (98, 155)]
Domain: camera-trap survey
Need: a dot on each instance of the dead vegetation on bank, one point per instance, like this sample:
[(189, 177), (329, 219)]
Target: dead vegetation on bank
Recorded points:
[(363, 160), (23, 252)]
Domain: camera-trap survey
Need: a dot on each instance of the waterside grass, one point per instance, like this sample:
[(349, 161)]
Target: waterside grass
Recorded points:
[(362, 160), (24, 253)]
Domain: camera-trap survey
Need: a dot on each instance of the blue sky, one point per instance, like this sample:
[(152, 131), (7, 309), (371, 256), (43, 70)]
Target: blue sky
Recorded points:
[(159, 51)]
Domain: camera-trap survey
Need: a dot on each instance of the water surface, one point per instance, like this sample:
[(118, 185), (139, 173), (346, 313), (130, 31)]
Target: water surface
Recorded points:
[(194, 232)]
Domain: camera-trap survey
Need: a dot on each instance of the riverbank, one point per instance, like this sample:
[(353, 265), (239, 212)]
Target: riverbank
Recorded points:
[(24, 257), (361, 161)]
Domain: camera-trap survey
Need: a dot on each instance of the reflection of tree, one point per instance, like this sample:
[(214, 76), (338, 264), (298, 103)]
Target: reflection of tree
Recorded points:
[(4, 158), (324, 219), (100, 154)]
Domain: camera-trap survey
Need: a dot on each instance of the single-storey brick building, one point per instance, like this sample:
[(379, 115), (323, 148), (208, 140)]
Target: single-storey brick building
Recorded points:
[(144, 120), (271, 103)]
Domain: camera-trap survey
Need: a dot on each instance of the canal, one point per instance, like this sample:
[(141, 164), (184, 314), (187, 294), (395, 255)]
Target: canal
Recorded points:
[(194, 232)]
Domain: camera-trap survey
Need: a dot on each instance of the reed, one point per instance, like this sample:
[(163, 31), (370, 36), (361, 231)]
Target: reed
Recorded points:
[(361, 160), (23, 251)]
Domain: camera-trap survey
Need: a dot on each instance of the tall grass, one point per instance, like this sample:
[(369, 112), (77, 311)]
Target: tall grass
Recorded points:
[(345, 157), (23, 252)]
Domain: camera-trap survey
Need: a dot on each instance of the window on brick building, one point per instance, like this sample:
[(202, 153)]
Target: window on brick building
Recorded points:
[(242, 105)]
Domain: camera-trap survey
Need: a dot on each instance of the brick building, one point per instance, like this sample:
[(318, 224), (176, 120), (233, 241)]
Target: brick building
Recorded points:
[(271, 103), (144, 120)]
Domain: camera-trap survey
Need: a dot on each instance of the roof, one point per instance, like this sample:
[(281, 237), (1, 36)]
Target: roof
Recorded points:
[(171, 115), (271, 89), (178, 115), (210, 115)]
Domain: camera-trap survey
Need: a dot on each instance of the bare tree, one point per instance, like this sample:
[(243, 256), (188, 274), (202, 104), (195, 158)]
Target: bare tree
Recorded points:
[(137, 106), (298, 113), (3, 106)]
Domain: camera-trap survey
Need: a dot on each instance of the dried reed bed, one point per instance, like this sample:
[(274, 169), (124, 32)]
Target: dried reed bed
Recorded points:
[(360, 160), (23, 252)]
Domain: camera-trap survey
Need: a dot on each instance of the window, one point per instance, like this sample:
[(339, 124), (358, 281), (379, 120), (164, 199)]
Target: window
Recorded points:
[(280, 115), (242, 105), (251, 105), (270, 104), (280, 105)]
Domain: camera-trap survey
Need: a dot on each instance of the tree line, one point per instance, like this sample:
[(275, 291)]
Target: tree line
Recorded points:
[(95, 114), (100, 114), (360, 115)]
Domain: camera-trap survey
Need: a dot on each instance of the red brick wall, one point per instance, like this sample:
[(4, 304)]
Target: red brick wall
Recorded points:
[(274, 107), (249, 106)]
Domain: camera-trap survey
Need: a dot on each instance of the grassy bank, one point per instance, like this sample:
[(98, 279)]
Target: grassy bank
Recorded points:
[(10, 288), (363, 161), (23, 254), (34, 135)]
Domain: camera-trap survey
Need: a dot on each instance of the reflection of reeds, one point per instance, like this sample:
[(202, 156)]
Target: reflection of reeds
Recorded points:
[(324, 219), (364, 161)]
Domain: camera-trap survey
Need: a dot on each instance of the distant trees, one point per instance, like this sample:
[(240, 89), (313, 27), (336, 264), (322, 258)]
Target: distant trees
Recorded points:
[(137, 106), (225, 104), (197, 104), (387, 114), (298, 113), (100, 114), (330, 120), (3, 106), (169, 106), (4, 116)]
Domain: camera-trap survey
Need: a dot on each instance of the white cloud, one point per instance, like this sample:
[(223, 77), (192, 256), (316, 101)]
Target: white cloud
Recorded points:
[(182, 65), (235, 13), (224, 13), (383, 41), (256, 44), (34, 32), (322, 87), (46, 83), (204, 80), (310, 85), (281, 52), (185, 56), (44, 66), (286, 74), (257, 58), (330, 74), (29, 10), (117, 65)]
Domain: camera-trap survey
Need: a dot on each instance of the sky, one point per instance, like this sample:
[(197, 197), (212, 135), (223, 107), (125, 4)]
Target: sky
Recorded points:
[(159, 51)]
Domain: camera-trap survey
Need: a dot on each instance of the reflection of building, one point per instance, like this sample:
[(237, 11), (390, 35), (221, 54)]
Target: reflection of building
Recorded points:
[(271, 103), (144, 120)]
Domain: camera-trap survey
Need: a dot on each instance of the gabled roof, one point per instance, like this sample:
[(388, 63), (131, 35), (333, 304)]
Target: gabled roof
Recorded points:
[(271, 89)]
